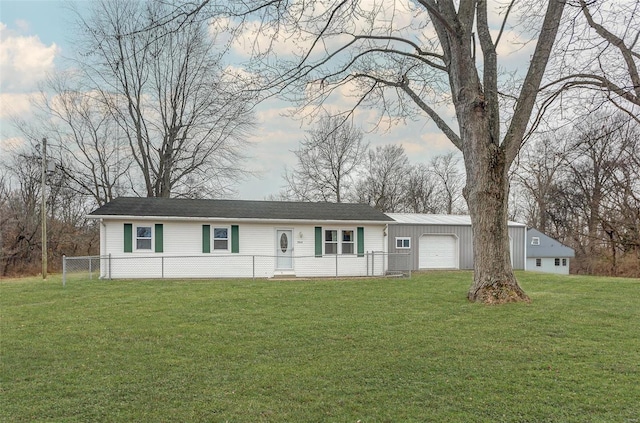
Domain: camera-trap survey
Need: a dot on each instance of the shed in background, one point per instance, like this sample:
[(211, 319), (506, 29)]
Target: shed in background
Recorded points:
[(547, 255)]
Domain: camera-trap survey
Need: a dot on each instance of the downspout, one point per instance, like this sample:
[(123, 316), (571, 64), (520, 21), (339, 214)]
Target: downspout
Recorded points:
[(385, 240), (103, 237)]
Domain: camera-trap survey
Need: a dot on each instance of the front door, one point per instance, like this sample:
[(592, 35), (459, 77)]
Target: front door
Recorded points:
[(284, 248)]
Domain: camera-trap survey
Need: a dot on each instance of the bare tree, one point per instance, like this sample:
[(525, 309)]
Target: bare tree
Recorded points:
[(626, 210), (539, 172), (183, 117), (20, 216), (21, 211), (385, 178), (445, 169), (596, 158), (601, 53), (83, 137), (327, 158), (421, 191)]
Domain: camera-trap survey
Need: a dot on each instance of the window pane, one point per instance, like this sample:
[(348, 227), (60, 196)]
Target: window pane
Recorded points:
[(403, 242), (220, 244), (331, 236), (347, 248), (331, 248), (143, 231), (538, 262), (143, 244), (220, 233), (347, 236), (557, 262)]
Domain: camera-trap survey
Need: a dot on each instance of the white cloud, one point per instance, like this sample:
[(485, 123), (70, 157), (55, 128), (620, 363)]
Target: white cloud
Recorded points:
[(24, 60), (12, 104)]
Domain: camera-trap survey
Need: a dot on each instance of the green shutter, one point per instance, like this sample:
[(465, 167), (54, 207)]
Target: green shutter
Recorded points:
[(159, 238), (206, 238), (360, 241), (128, 237), (235, 240), (318, 241)]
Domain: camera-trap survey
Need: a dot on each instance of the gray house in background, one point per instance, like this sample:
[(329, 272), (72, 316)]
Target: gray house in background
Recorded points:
[(443, 241), (545, 254)]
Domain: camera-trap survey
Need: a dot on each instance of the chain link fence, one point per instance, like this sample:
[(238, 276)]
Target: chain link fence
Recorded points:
[(85, 267), (372, 263)]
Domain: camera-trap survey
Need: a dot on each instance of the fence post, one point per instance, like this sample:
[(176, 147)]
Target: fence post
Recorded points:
[(109, 265), (336, 265), (162, 267), (367, 255), (90, 269), (253, 267), (64, 270), (373, 263)]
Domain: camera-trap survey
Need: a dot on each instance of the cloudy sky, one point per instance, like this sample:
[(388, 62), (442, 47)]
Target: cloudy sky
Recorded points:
[(35, 40)]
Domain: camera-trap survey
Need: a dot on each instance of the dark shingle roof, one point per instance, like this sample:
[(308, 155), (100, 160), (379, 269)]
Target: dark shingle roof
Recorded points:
[(238, 209)]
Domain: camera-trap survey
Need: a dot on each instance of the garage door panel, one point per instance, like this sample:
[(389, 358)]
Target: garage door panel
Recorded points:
[(438, 252)]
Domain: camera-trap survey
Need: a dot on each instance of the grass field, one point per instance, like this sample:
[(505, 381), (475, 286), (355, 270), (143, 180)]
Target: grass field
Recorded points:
[(369, 350)]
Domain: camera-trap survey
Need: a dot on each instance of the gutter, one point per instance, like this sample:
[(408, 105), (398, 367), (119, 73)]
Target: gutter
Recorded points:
[(234, 219)]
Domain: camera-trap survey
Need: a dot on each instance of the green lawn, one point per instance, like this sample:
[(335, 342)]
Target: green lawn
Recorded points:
[(374, 350)]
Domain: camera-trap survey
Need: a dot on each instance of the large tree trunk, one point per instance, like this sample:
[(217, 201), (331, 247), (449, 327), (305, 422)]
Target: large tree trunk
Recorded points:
[(493, 278), (487, 193)]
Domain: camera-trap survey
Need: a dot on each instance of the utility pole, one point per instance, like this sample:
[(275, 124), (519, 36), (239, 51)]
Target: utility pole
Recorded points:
[(44, 209)]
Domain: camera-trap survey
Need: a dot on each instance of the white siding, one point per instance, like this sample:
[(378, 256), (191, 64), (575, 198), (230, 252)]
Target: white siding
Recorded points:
[(182, 255), (548, 265)]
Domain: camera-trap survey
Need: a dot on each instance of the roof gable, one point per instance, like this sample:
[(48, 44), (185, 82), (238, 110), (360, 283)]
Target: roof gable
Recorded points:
[(548, 247), (237, 209)]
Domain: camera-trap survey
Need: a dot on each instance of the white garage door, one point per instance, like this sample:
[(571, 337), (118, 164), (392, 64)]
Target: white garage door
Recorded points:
[(438, 252)]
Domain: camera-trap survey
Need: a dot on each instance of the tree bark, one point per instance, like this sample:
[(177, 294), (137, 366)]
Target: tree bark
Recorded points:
[(487, 193)]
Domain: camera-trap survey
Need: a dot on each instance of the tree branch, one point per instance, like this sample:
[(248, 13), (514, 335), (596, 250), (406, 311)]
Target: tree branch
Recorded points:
[(490, 74), (404, 86), (626, 52), (526, 100)]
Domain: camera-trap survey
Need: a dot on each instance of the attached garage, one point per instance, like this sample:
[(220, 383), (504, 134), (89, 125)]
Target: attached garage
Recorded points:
[(438, 252), (444, 241)]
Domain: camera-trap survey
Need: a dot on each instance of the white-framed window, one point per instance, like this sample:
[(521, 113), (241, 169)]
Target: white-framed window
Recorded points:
[(331, 241), (339, 241), (348, 241), (403, 243), (221, 239), (538, 262), (535, 240), (564, 262), (144, 236), (557, 262)]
